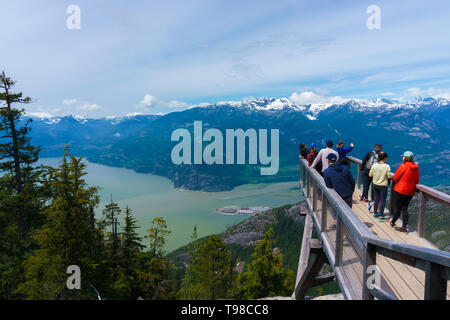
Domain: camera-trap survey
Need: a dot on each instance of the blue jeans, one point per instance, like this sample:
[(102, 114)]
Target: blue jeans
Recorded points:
[(380, 194)]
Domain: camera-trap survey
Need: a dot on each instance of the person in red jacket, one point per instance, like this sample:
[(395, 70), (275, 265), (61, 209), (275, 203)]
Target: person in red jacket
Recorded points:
[(406, 177)]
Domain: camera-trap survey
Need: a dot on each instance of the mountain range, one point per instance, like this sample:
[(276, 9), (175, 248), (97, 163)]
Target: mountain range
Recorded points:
[(143, 142)]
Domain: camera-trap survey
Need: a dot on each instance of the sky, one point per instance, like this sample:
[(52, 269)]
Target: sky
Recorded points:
[(155, 57)]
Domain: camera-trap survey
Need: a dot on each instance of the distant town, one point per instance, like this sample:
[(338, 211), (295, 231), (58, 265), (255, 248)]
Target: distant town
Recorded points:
[(236, 210)]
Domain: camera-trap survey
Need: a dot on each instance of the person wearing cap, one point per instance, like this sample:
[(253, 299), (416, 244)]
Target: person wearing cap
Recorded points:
[(406, 177), (339, 177), (322, 156), (343, 151)]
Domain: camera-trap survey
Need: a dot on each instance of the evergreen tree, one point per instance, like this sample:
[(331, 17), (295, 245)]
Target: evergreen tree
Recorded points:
[(67, 238), (266, 276), (157, 235), (22, 196), (131, 241), (110, 219), (125, 285), (188, 278), (16, 153), (211, 272), (156, 268)]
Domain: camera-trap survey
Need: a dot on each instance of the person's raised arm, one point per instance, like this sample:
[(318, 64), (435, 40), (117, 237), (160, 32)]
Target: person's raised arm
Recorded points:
[(318, 157)]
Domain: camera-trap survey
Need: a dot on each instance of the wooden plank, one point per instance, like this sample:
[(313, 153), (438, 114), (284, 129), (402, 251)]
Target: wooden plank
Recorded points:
[(310, 274), (304, 253), (393, 271), (384, 230), (406, 280), (328, 277)]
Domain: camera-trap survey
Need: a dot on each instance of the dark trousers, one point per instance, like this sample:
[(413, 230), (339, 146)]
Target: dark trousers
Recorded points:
[(380, 194), (366, 183), (401, 203), (349, 201)]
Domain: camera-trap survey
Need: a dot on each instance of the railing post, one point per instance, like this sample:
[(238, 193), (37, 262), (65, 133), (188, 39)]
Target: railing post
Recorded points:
[(300, 179), (323, 222), (435, 286), (304, 178), (369, 259), (308, 185), (339, 240), (422, 211), (391, 199), (358, 178), (314, 204)]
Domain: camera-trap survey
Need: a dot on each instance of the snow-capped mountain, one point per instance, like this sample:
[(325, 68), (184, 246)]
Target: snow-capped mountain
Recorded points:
[(143, 142)]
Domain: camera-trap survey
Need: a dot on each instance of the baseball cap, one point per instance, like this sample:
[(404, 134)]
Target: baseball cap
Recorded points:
[(313, 145), (332, 157), (408, 154)]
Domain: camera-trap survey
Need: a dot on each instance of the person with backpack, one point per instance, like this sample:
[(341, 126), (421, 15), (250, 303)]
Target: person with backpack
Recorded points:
[(339, 177), (322, 156), (343, 151), (369, 160), (406, 177), (380, 174)]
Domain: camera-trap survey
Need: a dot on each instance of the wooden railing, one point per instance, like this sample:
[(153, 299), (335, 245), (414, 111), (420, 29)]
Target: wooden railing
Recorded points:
[(351, 248), (424, 194)]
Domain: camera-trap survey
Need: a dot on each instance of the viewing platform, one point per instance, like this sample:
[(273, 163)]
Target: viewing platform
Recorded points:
[(353, 242)]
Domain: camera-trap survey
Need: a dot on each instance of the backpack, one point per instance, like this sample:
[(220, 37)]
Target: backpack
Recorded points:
[(372, 160)]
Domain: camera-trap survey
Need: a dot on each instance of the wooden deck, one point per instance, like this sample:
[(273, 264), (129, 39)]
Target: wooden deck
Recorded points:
[(406, 282), (353, 241)]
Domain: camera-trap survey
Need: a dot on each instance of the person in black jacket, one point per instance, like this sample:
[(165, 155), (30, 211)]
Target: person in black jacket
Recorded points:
[(303, 151), (339, 177), (369, 160)]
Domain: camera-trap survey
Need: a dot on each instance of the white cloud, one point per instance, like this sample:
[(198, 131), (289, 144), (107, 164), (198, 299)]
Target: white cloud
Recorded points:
[(430, 92), (151, 101), (148, 101), (41, 115), (81, 105), (309, 97), (176, 104)]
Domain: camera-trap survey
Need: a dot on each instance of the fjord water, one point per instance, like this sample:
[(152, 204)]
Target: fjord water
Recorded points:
[(151, 196)]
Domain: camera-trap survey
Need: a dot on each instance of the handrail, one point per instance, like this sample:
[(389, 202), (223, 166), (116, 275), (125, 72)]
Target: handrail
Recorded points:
[(424, 193), (435, 263)]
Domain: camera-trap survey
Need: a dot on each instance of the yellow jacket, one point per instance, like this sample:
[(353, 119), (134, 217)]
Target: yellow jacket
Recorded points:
[(380, 172)]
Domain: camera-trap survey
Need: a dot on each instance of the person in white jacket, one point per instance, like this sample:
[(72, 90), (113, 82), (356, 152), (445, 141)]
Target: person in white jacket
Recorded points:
[(323, 154)]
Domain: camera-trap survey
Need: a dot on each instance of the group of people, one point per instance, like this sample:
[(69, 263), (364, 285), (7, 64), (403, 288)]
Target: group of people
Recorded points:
[(333, 165)]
